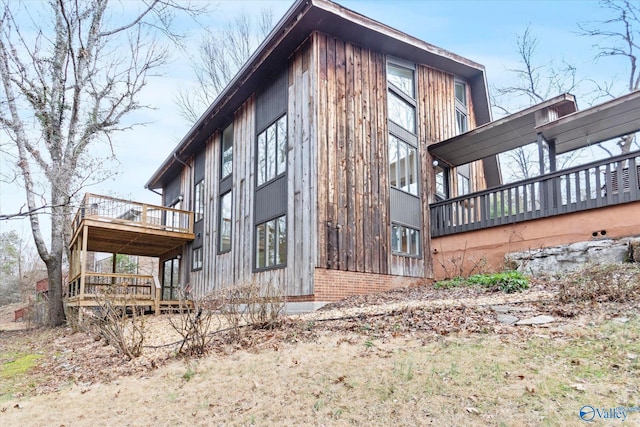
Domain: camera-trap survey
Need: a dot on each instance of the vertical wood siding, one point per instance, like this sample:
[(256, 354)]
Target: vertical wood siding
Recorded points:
[(352, 188)]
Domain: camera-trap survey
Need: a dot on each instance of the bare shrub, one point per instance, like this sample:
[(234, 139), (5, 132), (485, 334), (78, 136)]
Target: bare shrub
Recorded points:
[(249, 305), (195, 324), (233, 311), (463, 265), (120, 322), (600, 283)]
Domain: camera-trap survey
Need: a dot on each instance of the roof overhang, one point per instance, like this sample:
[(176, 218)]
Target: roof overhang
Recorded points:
[(502, 135), (620, 116), (304, 17)]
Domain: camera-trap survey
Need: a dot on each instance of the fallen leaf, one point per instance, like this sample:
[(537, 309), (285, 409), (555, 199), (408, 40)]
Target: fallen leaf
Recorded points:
[(473, 410), (531, 389)]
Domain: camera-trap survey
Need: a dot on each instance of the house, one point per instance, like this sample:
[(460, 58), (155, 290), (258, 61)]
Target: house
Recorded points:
[(310, 171), (346, 157)]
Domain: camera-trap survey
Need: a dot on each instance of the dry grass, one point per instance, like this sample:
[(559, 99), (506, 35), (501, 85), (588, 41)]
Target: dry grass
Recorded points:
[(426, 361), (348, 378)]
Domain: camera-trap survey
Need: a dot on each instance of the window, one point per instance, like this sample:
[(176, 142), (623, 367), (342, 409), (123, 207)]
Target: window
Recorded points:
[(442, 187), (198, 201), (227, 152), (405, 240), (464, 179), (403, 166), (224, 227), (401, 78), (272, 151), (271, 243), (196, 259), (401, 104), (460, 89)]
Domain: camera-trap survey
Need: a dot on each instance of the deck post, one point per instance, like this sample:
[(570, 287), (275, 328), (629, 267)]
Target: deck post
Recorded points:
[(83, 261)]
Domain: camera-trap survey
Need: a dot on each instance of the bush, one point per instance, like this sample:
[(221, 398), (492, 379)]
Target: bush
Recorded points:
[(599, 283), (507, 282)]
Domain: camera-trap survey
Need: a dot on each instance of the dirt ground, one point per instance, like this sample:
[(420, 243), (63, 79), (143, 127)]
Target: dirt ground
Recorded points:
[(415, 356)]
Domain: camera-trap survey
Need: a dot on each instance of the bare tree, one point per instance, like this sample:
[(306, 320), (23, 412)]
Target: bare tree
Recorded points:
[(69, 75), (534, 82), (618, 37), (222, 52)]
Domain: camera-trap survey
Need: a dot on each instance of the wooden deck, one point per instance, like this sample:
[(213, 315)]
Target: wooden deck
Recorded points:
[(116, 226)]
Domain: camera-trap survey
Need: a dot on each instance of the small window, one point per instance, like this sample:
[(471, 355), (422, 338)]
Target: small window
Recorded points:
[(271, 243), (272, 151), (405, 240), (225, 223), (401, 78), (227, 152), (403, 166), (198, 201), (196, 259), (464, 179)]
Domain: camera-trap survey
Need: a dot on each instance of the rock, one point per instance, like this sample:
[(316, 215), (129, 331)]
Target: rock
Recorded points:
[(507, 318), (538, 320), (508, 309), (620, 319), (567, 258)]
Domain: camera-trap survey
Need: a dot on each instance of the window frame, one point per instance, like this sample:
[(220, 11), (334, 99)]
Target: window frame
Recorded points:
[(280, 148), (199, 259), (221, 249), (463, 174), (418, 244), (444, 171), (412, 166), (223, 140), (198, 201), (461, 107), (278, 261)]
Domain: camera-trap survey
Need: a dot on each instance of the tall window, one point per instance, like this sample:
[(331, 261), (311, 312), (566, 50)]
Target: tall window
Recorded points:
[(401, 104), (272, 151), (403, 158), (225, 206), (227, 152), (271, 243), (224, 234), (198, 201), (442, 187), (462, 124), (405, 240)]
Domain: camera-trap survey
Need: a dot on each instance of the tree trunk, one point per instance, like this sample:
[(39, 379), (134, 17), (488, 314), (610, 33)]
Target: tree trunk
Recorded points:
[(55, 260)]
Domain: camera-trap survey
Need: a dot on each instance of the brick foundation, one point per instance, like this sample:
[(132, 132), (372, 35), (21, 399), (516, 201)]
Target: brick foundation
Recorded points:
[(334, 285)]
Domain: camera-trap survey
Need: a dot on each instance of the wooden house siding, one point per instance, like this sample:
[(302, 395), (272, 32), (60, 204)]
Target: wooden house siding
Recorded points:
[(353, 192)]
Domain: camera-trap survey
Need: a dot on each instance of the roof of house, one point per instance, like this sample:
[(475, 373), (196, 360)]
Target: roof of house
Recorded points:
[(556, 119), (301, 19)]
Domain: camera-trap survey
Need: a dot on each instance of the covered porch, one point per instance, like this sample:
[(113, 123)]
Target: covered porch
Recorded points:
[(122, 228), (607, 184)]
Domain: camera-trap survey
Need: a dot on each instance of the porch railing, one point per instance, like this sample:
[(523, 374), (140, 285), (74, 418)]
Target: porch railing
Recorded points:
[(109, 209), (129, 288), (607, 182)]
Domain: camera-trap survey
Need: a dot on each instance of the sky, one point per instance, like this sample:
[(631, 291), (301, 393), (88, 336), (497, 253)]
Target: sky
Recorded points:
[(483, 31)]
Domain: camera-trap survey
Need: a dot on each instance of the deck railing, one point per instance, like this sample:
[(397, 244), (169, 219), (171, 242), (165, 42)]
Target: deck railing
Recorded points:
[(109, 209), (132, 288), (589, 186)]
